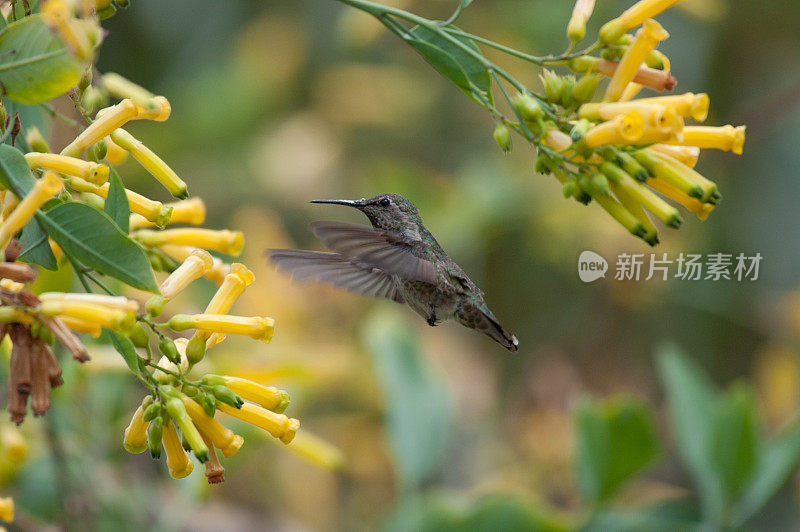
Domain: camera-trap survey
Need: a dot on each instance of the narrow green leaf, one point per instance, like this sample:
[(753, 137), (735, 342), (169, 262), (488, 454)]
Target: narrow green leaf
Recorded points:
[(443, 62), (35, 65), (92, 238), (417, 402), (776, 464), (449, 54), (692, 405), (15, 174), (125, 347), (735, 440), (117, 207), (35, 246), (616, 439)]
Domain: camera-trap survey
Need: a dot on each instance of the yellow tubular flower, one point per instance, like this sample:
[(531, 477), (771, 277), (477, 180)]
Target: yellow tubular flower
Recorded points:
[(576, 28), (688, 105), (256, 327), (726, 138), (82, 326), (155, 211), (623, 129), (11, 315), (280, 426), (662, 125), (45, 188), (121, 87), (217, 272), (177, 460), (191, 211), (702, 210), (219, 435), (620, 214), (267, 396), (135, 440), (644, 9), (659, 168), (646, 40), (114, 302), (91, 171), (608, 110), (14, 445), (35, 139), (232, 287), (11, 286), (90, 312), (58, 15), (190, 270), (317, 451), (558, 140), (7, 509), (151, 162), (688, 155), (641, 195), (230, 242), (107, 120), (160, 111), (114, 154)]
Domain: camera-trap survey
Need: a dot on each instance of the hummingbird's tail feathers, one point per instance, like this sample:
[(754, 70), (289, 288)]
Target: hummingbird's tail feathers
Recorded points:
[(337, 270), (484, 321), (387, 251)]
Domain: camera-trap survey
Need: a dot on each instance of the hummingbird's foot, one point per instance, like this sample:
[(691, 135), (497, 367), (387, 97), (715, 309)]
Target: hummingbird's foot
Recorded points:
[(432, 321)]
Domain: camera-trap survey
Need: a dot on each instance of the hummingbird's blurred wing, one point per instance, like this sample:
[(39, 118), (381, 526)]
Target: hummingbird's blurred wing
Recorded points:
[(346, 273), (387, 251)]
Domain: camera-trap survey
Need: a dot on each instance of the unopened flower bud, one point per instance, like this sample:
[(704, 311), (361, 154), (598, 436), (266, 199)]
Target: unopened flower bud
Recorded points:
[(502, 136)]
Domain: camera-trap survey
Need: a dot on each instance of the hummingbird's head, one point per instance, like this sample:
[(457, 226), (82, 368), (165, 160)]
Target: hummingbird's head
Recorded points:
[(392, 212)]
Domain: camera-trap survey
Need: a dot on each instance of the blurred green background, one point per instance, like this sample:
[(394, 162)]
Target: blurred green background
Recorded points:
[(277, 103)]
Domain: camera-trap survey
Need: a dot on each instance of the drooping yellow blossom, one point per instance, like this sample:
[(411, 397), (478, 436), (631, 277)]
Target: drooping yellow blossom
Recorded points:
[(35, 139), (93, 172), (688, 105), (151, 162), (114, 153), (693, 205), (45, 188), (7, 509), (726, 138), (190, 270), (90, 312), (231, 288), (217, 272), (576, 28), (191, 211), (659, 168), (220, 436), (114, 302), (58, 15), (268, 397), (11, 286), (280, 426), (608, 110), (12, 314), (121, 87), (316, 450), (708, 187), (662, 124), (642, 195), (644, 9), (82, 326), (688, 155), (647, 38), (178, 461), (155, 211), (558, 140), (112, 118), (230, 242), (14, 445), (135, 439), (256, 327), (623, 129), (158, 109), (620, 214)]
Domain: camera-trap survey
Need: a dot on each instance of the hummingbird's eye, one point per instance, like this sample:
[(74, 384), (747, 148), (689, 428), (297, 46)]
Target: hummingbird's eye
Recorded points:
[(384, 202)]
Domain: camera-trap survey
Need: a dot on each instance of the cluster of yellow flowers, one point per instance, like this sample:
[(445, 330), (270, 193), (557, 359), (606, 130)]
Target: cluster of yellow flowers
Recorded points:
[(620, 150)]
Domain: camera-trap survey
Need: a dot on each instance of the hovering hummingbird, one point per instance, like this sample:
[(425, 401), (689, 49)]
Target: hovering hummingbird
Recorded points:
[(398, 259)]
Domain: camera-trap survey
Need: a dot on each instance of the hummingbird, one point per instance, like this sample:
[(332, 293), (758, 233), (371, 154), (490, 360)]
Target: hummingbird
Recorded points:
[(397, 259)]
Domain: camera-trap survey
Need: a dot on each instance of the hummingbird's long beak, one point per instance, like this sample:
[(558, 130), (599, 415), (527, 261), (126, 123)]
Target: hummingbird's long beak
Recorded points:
[(349, 203)]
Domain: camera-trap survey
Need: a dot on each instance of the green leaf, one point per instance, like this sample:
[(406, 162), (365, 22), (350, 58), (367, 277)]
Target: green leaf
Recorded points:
[(615, 440), (692, 408), (35, 246), (125, 347), (777, 462), (735, 440), (93, 238), (117, 207), (453, 62), (666, 516), (501, 511), (15, 174), (417, 402), (35, 65)]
